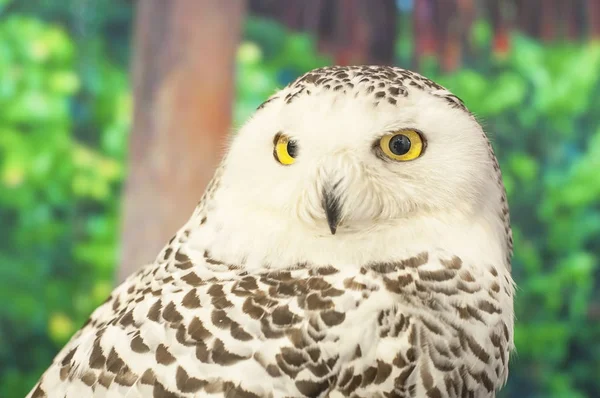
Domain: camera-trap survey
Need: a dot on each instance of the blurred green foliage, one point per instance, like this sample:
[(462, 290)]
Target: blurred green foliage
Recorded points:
[(63, 125), (64, 117)]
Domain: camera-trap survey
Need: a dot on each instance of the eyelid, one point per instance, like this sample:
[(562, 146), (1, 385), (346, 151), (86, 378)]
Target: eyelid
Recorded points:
[(276, 137), (280, 149)]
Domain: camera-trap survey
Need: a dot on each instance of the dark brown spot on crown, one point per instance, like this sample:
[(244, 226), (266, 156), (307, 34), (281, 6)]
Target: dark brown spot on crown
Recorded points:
[(467, 276), (327, 270), (394, 90), (383, 268), (454, 263), (398, 284), (350, 283), (437, 275), (416, 261)]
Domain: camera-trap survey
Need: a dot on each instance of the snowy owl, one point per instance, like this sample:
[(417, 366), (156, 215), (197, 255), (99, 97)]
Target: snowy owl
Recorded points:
[(354, 242)]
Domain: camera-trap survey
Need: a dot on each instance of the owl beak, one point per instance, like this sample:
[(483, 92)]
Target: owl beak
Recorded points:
[(332, 206)]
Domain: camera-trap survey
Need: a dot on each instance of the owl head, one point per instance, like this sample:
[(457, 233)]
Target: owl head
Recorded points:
[(346, 149)]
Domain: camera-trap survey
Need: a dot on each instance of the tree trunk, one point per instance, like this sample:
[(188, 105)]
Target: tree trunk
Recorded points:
[(425, 38), (183, 78), (449, 26), (500, 25), (549, 20), (593, 8), (351, 31), (528, 14), (359, 32)]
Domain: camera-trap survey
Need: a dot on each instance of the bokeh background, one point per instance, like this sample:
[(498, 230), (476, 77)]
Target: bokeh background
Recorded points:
[(113, 115)]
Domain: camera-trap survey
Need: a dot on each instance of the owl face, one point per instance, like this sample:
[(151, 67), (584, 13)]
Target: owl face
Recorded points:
[(340, 161)]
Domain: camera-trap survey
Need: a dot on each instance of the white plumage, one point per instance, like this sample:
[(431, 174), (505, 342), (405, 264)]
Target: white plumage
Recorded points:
[(319, 264)]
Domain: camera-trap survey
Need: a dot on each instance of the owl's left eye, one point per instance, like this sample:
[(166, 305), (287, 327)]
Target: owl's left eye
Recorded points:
[(285, 150), (402, 146)]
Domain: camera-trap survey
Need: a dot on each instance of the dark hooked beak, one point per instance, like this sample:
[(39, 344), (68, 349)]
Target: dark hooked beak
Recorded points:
[(332, 206)]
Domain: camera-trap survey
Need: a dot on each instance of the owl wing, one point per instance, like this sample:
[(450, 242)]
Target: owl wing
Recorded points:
[(435, 326), (181, 328)]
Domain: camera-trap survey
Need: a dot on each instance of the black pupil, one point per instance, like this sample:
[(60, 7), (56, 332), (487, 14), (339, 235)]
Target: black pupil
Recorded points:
[(292, 149), (399, 144)]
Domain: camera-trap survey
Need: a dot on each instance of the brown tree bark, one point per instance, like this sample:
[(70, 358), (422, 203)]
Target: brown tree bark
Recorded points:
[(449, 24), (467, 9), (501, 25), (550, 20), (593, 9), (351, 31), (360, 32), (183, 78), (567, 11), (528, 16), (424, 28)]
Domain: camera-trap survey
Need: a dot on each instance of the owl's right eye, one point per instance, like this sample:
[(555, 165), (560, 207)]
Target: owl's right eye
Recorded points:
[(403, 145), (285, 150)]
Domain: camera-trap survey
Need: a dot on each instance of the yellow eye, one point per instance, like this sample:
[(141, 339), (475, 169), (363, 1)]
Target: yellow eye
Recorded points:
[(402, 146), (285, 150)]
